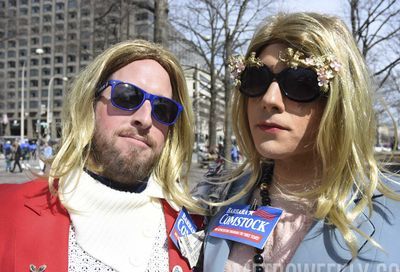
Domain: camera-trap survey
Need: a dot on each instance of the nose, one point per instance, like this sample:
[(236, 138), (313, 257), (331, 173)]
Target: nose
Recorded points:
[(272, 100), (141, 118)]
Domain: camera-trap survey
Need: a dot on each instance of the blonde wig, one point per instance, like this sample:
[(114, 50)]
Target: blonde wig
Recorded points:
[(346, 136), (78, 119)]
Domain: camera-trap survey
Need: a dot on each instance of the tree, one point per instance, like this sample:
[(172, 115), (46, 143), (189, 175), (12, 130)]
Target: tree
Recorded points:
[(216, 30), (376, 28), (114, 20)]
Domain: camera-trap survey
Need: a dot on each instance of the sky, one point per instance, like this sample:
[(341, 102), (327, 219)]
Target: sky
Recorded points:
[(334, 7)]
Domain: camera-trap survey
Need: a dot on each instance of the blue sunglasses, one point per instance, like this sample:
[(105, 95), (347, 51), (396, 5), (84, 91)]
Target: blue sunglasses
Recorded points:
[(126, 96)]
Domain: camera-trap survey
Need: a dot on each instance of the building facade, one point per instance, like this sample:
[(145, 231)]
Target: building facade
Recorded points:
[(45, 43)]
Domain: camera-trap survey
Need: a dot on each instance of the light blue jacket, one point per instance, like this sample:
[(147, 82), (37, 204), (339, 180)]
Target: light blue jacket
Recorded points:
[(323, 248)]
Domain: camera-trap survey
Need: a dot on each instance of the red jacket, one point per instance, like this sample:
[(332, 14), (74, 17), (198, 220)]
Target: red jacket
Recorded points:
[(34, 229)]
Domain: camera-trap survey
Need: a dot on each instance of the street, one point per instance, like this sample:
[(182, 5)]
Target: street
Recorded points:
[(196, 173)]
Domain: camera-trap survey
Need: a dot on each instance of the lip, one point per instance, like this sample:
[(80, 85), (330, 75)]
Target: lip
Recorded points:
[(271, 127), (135, 139)]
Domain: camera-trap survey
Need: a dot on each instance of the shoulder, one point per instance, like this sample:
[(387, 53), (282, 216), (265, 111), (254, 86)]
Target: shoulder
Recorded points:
[(220, 188), (13, 195), (386, 222), (11, 190)]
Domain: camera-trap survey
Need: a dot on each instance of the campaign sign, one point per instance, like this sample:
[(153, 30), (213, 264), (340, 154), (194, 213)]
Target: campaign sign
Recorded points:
[(251, 227), (183, 226)]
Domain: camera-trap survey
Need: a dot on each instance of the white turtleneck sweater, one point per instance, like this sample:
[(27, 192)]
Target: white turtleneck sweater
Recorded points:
[(117, 228)]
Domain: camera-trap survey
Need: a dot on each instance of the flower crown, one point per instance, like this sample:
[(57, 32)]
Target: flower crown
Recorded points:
[(326, 66)]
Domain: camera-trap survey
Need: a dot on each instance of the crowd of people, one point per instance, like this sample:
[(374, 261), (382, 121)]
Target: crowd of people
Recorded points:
[(21, 154), (307, 190)]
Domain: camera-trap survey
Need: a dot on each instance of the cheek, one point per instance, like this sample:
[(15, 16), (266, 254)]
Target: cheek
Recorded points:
[(251, 113), (105, 123)]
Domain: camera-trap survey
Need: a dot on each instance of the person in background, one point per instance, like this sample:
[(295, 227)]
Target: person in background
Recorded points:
[(304, 120), (17, 155), (115, 184), (7, 151), (47, 153)]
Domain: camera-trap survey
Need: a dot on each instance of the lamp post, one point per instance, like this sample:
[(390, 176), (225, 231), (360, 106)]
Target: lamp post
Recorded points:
[(23, 103), (38, 51), (49, 115)]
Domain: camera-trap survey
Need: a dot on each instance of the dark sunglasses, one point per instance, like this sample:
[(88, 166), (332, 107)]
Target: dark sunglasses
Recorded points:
[(126, 96), (300, 84)]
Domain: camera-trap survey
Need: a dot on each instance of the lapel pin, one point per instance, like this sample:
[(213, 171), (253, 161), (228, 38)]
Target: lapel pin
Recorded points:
[(32, 268)]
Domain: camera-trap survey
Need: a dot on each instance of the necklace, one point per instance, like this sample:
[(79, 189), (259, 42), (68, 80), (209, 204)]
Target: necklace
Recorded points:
[(265, 182)]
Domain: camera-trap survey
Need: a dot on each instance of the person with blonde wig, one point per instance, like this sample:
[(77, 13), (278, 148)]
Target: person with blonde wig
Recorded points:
[(304, 120), (114, 186)]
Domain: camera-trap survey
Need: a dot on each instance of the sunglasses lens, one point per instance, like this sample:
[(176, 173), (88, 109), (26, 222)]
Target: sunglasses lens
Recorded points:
[(300, 84), (165, 110), (255, 81), (126, 96)]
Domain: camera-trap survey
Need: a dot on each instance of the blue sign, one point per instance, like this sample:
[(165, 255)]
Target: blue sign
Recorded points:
[(183, 226), (251, 227)]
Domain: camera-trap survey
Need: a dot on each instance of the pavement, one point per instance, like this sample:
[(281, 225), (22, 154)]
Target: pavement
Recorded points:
[(32, 167)]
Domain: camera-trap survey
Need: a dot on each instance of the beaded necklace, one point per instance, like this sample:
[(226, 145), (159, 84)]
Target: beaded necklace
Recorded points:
[(265, 182)]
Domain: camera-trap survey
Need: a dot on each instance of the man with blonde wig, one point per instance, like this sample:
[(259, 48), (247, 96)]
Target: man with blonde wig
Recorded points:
[(115, 184), (303, 118)]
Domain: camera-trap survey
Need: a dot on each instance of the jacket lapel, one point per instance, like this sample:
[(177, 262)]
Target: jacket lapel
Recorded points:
[(41, 233), (216, 250), (325, 244)]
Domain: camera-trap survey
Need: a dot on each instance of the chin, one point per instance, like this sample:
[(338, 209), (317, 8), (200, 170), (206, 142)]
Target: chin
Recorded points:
[(273, 152)]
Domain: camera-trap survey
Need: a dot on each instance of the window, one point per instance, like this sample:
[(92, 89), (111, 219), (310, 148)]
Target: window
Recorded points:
[(46, 39), (59, 49), (59, 59), (58, 70), (33, 93), (34, 83), (23, 21), (47, 19), (46, 71), (71, 69), (57, 103), (72, 26), (46, 29), (34, 72), (35, 29), (11, 105), (11, 54), (72, 4), (35, 40), (12, 43), (58, 92), (59, 27), (22, 52), (23, 42), (23, 11), (60, 16), (11, 64), (46, 61), (33, 104), (85, 12), (71, 58), (59, 6), (47, 8), (72, 15), (86, 23), (71, 36), (142, 16), (34, 62)]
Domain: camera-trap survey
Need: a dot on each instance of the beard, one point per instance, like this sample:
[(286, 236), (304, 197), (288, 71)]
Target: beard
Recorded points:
[(128, 168)]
